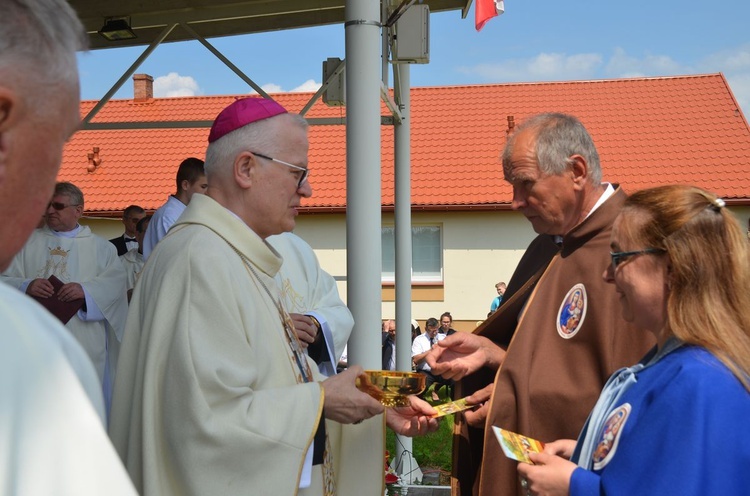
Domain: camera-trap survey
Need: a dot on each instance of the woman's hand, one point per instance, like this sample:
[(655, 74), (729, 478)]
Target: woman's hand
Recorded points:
[(413, 420)]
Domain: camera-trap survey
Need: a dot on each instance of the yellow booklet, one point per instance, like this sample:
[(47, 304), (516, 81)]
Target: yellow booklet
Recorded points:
[(451, 407), (515, 446)]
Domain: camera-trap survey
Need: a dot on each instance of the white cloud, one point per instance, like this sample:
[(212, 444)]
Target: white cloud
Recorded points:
[(735, 64), (543, 67), (733, 60), (270, 88), (622, 65), (174, 85), (740, 85), (308, 86)]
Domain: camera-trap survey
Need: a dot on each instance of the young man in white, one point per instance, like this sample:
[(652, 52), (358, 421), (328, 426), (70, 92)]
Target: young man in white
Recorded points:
[(191, 180)]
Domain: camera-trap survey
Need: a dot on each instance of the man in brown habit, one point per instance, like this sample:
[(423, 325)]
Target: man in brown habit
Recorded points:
[(558, 335)]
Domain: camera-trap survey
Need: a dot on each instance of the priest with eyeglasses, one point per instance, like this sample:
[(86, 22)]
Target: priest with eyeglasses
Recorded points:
[(79, 277)]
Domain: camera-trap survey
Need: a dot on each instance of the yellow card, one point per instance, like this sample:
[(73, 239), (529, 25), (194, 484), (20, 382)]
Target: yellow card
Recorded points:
[(515, 446), (451, 407)]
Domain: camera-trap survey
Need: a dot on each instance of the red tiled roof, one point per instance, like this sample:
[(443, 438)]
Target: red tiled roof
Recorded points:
[(649, 131)]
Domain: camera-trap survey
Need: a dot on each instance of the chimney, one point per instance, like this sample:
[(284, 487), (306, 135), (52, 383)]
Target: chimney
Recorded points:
[(143, 87)]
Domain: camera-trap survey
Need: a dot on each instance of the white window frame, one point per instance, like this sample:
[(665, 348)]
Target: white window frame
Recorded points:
[(419, 277)]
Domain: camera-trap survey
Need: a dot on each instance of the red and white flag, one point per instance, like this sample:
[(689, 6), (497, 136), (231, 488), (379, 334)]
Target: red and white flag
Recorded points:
[(484, 10)]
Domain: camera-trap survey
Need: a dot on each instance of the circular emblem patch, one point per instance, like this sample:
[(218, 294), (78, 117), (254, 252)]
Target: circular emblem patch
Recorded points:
[(572, 312), (607, 445)]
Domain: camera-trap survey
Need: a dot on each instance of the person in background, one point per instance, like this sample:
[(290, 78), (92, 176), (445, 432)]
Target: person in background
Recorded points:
[(52, 414), (421, 347), (500, 288), (133, 259), (388, 342), (539, 368), (191, 180), (681, 265), (446, 321), (130, 217)]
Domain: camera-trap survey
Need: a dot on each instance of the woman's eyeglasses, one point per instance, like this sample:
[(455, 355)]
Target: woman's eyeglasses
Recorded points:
[(620, 256)]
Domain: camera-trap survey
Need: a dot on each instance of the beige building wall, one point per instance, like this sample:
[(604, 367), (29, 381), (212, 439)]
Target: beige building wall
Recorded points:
[(479, 250), (106, 228)]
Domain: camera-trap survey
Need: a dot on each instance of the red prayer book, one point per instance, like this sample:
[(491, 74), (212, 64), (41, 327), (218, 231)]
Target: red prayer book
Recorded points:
[(63, 310)]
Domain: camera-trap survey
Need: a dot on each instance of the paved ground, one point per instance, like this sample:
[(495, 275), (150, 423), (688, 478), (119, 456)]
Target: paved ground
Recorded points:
[(428, 490)]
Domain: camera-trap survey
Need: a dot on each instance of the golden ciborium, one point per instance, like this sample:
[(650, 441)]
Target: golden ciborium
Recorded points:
[(389, 387)]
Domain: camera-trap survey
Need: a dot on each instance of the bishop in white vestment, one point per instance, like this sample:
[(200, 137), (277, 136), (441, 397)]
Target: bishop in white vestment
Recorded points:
[(209, 398), (215, 394)]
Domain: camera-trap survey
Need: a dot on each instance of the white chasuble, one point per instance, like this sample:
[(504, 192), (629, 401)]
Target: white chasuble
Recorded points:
[(91, 261)]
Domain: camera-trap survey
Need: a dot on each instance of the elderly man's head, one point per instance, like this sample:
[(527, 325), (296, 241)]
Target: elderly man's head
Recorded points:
[(256, 164), (65, 207), (39, 100), (553, 166)]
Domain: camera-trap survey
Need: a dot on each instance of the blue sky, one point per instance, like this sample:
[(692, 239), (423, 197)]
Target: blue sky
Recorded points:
[(542, 40)]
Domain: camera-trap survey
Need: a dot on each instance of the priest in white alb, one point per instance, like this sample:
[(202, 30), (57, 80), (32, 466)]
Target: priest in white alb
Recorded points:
[(322, 321), (215, 394), (90, 270)]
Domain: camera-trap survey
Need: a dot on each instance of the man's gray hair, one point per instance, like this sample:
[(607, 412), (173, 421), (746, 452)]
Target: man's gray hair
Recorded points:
[(260, 136), (39, 38), (71, 191), (558, 136)]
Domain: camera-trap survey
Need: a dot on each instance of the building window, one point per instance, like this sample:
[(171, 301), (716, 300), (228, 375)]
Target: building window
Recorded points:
[(426, 257)]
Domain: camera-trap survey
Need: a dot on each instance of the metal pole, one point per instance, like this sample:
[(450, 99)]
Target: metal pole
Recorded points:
[(363, 219), (402, 152), (406, 465)]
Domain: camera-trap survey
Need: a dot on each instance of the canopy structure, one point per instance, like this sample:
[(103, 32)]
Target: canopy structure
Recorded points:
[(212, 18)]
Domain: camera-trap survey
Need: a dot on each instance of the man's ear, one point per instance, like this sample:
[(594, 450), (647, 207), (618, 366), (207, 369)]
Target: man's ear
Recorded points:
[(9, 108), (244, 169), (579, 169), (10, 114)]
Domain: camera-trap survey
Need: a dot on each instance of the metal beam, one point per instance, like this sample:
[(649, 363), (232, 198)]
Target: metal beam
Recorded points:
[(385, 120), (128, 73), (225, 60)]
